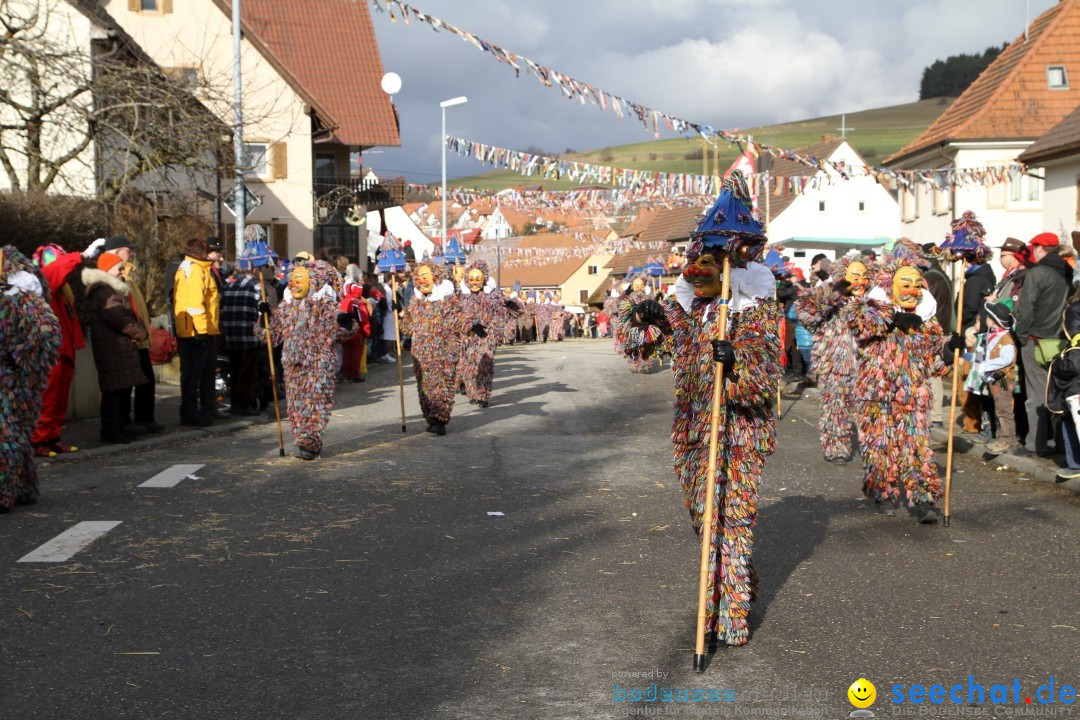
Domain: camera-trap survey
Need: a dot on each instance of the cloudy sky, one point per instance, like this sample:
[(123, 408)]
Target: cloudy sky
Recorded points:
[(725, 63)]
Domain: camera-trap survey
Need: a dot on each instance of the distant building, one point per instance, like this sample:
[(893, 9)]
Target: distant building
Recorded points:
[(1058, 153)]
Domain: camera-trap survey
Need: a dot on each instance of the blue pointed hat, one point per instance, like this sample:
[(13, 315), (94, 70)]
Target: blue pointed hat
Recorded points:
[(453, 254), (256, 250), (966, 239), (730, 224), (390, 257)]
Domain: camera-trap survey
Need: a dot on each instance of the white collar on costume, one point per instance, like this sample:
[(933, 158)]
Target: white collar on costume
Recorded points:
[(443, 290), (926, 309), (23, 281), (749, 286)]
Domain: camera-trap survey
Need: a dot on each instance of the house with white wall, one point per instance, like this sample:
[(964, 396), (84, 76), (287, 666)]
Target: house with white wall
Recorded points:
[(402, 226), (1030, 87), (811, 210), (1058, 154), (312, 103)]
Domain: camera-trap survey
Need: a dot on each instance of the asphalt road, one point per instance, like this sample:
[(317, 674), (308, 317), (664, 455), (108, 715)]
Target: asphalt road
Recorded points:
[(378, 583)]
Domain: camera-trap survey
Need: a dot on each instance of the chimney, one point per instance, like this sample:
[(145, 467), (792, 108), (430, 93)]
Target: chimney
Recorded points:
[(828, 138)]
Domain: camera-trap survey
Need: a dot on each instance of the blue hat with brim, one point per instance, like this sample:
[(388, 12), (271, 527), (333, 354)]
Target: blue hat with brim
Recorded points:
[(730, 223)]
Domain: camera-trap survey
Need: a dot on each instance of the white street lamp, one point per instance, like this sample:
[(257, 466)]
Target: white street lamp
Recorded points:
[(446, 104)]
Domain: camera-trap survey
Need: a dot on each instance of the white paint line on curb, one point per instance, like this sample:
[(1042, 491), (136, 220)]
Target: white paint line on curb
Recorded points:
[(171, 477), (66, 544)]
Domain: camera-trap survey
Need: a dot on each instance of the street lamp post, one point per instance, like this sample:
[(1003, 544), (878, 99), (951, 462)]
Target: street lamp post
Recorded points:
[(445, 104)]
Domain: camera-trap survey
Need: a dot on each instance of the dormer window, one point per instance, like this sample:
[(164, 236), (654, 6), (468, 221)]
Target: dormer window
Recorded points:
[(1056, 77)]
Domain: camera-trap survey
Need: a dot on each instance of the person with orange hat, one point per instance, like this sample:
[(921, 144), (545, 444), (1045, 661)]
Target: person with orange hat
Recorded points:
[(115, 332)]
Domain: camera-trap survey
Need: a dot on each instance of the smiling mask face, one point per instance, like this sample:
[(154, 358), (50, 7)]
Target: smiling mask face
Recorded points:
[(705, 274), (907, 288), (425, 280), (299, 282), (475, 280), (858, 278), (637, 285), (459, 273)]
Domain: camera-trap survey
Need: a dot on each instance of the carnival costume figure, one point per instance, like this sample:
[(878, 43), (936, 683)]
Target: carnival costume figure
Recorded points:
[(438, 325), (750, 357), (30, 339), (306, 324), (482, 301), (901, 348), (834, 357), (635, 294)]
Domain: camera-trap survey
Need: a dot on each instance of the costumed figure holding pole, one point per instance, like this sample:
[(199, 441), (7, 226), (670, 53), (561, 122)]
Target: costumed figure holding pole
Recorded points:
[(722, 324), (438, 325), (482, 301), (835, 355), (307, 323), (965, 242), (901, 348), (635, 295), (30, 339)]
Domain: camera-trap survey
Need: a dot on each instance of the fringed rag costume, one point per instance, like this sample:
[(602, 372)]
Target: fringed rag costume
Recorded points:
[(29, 347), (624, 305), (892, 386), (747, 430), (437, 323), (482, 302), (834, 357), (305, 325)]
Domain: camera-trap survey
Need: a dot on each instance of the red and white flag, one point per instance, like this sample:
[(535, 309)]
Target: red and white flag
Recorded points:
[(745, 163)]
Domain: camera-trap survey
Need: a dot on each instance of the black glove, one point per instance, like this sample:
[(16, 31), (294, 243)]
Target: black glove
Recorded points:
[(822, 274), (264, 308), (723, 352), (956, 342), (905, 321), (994, 377), (345, 320), (478, 330), (842, 287), (649, 311), (510, 304), (396, 307)]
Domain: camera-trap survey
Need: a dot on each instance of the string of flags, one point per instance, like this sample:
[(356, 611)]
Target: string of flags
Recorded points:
[(584, 93)]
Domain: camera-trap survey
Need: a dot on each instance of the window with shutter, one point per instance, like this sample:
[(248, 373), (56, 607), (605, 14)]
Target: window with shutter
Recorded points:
[(166, 6), (279, 161)]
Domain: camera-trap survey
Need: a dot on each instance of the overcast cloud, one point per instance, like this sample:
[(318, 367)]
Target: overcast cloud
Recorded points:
[(725, 63)]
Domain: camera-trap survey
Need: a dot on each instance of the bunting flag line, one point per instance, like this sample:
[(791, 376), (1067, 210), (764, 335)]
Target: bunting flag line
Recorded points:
[(651, 119)]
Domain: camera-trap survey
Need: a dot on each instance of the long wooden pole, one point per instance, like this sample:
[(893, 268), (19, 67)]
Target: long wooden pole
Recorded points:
[(397, 339), (710, 479), (780, 387), (955, 392), (273, 370)]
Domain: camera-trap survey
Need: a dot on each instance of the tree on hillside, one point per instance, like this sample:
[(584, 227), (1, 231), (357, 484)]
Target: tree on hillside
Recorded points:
[(951, 76)]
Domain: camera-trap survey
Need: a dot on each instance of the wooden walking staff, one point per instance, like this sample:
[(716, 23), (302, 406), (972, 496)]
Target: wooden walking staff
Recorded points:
[(952, 407), (273, 370), (397, 341), (710, 479)]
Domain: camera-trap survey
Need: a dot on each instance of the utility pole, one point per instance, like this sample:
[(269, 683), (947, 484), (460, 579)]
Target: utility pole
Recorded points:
[(239, 199)]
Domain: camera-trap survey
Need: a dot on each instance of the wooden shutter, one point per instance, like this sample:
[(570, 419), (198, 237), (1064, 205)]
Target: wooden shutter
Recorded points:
[(134, 5), (166, 6), (279, 163), (279, 239)]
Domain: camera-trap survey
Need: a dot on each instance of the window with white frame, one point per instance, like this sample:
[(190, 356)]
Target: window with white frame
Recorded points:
[(1056, 77), (148, 5), (941, 201), (254, 161), (908, 203), (594, 269), (1025, 189)]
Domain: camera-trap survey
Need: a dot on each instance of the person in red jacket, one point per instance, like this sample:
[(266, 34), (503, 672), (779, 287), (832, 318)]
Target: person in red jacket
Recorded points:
[(354, 349), (57, 266)]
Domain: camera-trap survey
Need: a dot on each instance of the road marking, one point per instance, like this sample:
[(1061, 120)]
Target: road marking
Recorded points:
[(66, 544), (171, 477)]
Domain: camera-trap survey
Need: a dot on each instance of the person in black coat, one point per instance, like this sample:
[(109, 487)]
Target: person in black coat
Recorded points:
[(979, 284), (941, 289), (1063, 383)]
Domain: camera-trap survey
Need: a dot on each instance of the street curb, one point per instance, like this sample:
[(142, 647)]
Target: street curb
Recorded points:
[(152, 442), (1033, 467)]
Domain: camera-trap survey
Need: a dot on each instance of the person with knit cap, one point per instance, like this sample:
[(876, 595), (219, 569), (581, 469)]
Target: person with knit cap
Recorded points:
[(835, 356), (438, 325), (57, 267), (482, 301), (688, 322), (30, 342), (115, 332), (306, 324), (900, 347)]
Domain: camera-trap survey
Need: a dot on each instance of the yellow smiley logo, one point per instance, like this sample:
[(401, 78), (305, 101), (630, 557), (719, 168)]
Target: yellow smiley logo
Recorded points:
[(862, 693)]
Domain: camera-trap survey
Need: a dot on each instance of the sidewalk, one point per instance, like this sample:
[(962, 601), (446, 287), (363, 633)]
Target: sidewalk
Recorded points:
[(1042, 469), (85, 433)]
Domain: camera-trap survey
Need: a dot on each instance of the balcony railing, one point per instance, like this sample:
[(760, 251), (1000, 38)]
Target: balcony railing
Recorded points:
[(383, 193)]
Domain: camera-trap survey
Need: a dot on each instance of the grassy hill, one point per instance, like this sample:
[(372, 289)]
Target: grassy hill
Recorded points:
[(876, 134)]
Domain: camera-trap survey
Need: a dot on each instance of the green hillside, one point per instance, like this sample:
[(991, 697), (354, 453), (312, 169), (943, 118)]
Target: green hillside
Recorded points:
[(876, 134)]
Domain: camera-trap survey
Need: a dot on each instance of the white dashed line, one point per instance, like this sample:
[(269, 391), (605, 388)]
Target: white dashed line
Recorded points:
[(170, 477), (66, 544)]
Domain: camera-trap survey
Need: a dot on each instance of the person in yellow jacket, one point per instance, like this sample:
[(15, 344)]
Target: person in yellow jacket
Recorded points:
[(144, 394), (195, 313)]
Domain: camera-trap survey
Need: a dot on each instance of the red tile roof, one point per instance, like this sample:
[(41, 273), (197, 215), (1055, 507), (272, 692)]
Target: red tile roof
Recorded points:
[(328, 53), (1012, 99), (671, 225), (1063, 139), (551, 275)]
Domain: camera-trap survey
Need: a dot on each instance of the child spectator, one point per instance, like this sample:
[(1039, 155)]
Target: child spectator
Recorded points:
[(996, 367)]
